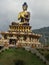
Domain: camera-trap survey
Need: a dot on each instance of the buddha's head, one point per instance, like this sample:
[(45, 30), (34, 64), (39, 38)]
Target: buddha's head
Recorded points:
[(24, 6)]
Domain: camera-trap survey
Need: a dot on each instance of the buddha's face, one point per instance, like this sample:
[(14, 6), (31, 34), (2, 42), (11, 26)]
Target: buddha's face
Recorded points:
[(24, 8)]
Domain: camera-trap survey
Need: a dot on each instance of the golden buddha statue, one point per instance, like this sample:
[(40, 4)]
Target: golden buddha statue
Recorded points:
[(24, 16)]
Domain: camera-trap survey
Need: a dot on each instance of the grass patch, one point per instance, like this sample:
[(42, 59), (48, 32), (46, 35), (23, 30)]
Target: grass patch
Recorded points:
[(11, 56)]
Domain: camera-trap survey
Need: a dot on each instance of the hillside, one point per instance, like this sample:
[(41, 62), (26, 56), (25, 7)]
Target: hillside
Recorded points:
[(19, 57), (45, 34)]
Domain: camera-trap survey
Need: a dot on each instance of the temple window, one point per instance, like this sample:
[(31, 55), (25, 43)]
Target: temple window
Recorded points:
[(11, 35), (5, 36)]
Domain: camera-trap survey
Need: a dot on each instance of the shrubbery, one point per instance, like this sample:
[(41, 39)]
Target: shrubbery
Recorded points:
[(19, 62), (47, 56)]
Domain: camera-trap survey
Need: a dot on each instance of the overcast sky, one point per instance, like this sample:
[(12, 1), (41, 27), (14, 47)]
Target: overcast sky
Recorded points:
[(39, 10)]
